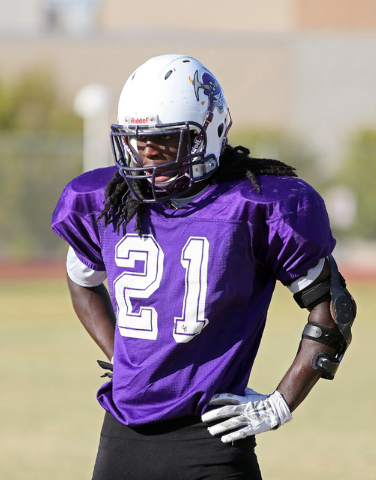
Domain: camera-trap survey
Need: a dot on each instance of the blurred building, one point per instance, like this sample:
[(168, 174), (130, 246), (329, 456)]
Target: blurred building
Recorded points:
[(305, 67)]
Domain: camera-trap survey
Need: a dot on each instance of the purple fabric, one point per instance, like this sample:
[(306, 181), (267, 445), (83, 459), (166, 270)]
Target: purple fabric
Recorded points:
[(222, 253)]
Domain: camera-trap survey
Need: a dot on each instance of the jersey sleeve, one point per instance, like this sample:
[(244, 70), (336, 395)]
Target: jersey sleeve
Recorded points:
[(299, 235), (81, 274), (74, 220)]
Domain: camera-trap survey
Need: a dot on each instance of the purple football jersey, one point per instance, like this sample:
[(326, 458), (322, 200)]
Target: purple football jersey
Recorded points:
[(191, 296)]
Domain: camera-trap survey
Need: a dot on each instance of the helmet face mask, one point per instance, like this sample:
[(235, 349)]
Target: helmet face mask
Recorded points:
[(170, 95)]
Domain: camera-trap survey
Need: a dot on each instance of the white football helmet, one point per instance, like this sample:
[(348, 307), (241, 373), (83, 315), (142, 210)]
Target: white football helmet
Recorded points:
[(166, 95)]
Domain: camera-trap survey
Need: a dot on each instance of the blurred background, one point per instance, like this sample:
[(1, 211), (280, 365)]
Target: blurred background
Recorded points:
[(300, 80)]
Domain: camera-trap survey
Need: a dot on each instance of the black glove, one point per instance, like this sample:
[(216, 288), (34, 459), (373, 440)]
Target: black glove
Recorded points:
[(106, 366)]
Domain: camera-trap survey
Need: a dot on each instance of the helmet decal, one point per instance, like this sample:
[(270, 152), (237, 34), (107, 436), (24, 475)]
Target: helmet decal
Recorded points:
[(211, 87)]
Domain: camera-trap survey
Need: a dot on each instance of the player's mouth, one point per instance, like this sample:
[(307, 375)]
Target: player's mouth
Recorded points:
[(162, 174), (159, 177)]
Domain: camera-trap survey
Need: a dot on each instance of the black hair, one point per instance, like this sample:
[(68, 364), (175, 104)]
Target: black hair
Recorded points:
[(235, 164)]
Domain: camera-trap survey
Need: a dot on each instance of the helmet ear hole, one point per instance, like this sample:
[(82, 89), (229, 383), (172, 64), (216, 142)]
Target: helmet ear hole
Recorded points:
[(193, 134), (220, 130)]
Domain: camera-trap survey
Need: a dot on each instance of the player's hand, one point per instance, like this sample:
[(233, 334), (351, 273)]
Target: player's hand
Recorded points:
[(249, 415), (106, 366)]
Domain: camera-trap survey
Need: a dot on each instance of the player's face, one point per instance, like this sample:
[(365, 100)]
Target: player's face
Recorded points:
[(158, 150)]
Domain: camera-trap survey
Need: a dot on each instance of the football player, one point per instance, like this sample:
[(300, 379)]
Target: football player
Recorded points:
[(192, 236)]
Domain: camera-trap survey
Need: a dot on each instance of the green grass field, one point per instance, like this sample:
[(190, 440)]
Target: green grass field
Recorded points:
[(50, 420)]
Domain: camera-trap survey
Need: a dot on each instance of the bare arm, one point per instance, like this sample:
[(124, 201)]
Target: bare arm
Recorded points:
[(94, 309), (301, 378)]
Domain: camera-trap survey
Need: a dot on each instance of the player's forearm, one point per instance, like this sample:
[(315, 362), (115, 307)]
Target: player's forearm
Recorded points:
[(94, 309), (301, 377)]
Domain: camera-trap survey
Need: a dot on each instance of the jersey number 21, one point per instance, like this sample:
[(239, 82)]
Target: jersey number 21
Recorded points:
[(142, 284)]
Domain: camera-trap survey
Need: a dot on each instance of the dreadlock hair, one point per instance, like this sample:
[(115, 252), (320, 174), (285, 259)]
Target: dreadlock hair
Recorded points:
[(235, 164)]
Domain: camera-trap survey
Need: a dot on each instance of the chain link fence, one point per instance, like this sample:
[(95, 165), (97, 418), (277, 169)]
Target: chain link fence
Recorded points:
[(34, 168)]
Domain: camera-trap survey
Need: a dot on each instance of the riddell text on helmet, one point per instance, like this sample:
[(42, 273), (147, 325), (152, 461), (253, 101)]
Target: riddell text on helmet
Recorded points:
[(140, 120)]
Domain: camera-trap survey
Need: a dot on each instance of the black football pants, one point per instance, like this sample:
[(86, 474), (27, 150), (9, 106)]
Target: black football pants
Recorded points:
[(179, 449)]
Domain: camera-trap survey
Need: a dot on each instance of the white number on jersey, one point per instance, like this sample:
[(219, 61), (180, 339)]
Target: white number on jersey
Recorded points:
[(194, 258), (144, 323)]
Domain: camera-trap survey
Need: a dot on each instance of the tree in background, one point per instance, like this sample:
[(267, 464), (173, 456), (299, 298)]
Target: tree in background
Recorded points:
[(31, 102)]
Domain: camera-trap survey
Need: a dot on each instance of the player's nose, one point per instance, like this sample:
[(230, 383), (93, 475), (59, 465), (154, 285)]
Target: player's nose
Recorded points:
[(151, 150)]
